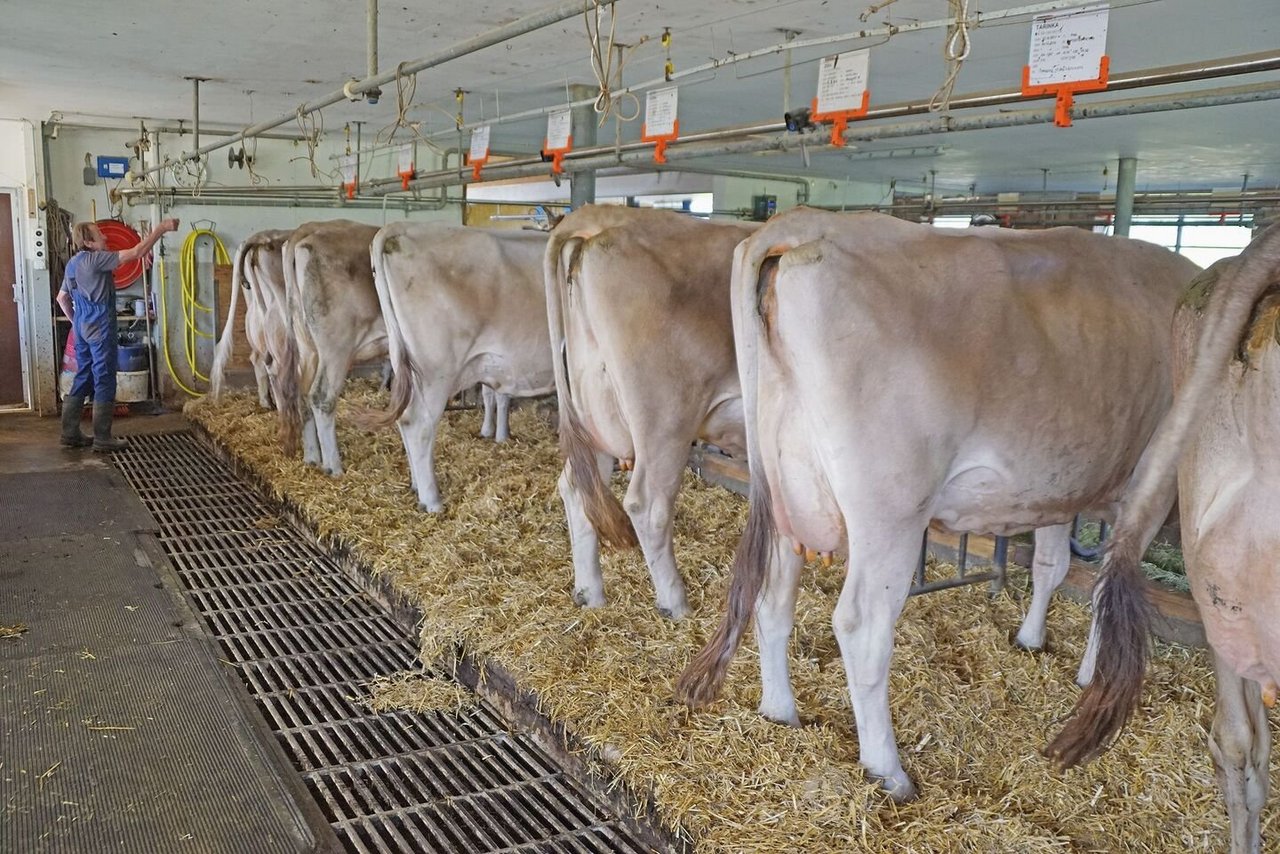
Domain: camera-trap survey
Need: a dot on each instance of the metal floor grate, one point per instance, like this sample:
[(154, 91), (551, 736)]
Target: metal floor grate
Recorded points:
[(304, 638)]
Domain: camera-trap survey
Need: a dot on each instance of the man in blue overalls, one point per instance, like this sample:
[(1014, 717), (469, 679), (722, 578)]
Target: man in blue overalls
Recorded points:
[(87, 297)]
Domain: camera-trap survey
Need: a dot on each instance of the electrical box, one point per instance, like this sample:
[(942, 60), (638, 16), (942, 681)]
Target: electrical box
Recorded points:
[(763, 207), (112, 167), (39, 251)]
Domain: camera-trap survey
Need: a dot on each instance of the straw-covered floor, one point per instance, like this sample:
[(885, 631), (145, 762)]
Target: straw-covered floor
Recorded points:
[(971, 712)]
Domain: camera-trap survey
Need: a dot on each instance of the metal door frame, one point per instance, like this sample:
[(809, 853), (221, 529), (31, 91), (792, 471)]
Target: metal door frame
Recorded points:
[(23, 302)]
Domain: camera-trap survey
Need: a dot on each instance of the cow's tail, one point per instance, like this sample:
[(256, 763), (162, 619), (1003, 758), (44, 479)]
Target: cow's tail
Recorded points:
[(222, 353), (602, 507), (289, 405), (754, 266), (1120, 607), (398, 356)]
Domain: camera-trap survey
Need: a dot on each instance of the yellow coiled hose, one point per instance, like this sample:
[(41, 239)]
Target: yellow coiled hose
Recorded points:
[(190, 304)]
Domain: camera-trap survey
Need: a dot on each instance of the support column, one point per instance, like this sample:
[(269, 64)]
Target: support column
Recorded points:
[(582, 185), (1126, 179)]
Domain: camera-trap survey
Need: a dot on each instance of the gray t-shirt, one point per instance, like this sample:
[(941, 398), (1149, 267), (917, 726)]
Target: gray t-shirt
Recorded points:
[(90, 273)]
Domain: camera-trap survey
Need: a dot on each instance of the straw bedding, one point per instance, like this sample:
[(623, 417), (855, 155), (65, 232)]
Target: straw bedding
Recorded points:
[(971, 713)]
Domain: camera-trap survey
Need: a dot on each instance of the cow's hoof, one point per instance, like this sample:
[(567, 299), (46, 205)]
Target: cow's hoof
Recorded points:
[(675, 613), (586, 599), (433, 507), (791, 719), (899, 789), (1017, 643)]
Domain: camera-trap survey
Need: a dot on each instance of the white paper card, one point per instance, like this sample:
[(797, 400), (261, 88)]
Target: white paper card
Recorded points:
[(559, 129), (347, 163), (660, 111), (480, 142), (841, 81), (1068, 46), (404, 158)]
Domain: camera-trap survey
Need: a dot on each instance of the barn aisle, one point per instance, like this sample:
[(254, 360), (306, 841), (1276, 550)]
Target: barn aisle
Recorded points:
[(121, 729), (187, 671)]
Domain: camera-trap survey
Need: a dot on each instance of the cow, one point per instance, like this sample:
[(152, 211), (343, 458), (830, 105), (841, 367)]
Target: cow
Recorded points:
[(638, 308), (462, 306), (894, 374), (332, 307), (258, 269), (1220, 440)]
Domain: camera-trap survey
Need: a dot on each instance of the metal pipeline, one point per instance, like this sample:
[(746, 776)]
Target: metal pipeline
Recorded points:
[(519, 27)]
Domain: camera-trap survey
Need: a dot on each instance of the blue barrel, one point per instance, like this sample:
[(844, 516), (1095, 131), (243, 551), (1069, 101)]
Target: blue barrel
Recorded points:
[(131, 357)]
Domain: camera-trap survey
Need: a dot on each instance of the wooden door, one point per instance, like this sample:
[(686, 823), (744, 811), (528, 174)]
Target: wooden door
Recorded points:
[(11, 379)]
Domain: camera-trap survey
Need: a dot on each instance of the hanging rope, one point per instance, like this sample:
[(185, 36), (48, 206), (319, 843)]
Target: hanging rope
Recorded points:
[(602, 65), (955, 51)]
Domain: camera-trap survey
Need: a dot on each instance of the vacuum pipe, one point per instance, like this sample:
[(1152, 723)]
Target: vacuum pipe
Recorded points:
[(520, 27)]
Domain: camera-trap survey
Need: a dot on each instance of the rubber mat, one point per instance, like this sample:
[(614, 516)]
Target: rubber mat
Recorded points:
[(71, 502), (118, 730)]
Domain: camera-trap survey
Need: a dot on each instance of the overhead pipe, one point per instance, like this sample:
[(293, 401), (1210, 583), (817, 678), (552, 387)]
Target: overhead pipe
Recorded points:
[(519, 27), (371, 41), (730, 141), (878, 32)]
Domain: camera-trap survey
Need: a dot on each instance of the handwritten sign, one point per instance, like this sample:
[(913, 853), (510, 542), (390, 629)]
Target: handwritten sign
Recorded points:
[(347, 165), (1068, 46), (841, 81), (559, 129), (480, 142), (660, 111)]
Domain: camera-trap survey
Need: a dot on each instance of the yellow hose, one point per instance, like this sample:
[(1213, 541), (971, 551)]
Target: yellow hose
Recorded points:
[(164, 338), (190, 305), (187, 271)]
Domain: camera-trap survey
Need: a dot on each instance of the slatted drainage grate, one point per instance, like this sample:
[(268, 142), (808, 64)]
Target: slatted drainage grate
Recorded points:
[(305, 638)]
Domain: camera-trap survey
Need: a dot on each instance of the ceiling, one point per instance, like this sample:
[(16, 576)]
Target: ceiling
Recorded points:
[(129, 58)]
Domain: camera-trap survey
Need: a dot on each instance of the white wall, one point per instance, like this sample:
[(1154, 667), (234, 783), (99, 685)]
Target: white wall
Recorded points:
[(279, 164)]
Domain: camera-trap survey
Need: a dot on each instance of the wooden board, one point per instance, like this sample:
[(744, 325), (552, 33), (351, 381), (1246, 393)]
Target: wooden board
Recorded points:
[(222, 287)]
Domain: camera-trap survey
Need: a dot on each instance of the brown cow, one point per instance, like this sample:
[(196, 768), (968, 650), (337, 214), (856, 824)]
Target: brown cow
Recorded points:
[(462, 306), (1221, 438), (638, 304), (336, 322), (893, 374), (258, 269)]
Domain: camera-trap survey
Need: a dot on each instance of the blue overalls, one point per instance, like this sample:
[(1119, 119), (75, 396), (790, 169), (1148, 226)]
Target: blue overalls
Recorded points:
[(96, 345)]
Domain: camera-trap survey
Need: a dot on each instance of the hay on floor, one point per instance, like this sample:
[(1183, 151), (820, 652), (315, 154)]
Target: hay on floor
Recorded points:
[(971, 713)]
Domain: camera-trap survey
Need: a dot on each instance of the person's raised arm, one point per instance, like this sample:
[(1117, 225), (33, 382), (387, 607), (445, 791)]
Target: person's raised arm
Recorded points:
[(144, 247)]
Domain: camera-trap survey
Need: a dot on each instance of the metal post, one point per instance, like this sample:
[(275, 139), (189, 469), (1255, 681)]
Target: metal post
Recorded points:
[(1126, 179), (195, 111), (582, 185), (371, 40)]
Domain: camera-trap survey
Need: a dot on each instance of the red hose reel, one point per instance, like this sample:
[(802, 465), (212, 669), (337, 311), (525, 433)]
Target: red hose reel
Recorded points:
[(119, 237)]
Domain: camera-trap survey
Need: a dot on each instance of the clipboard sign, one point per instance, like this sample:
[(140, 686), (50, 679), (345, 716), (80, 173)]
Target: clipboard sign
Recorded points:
[(559, 141), (661, 124), (478, 154), (842, 91), (347, 164), (404, 165), (1068, 55)]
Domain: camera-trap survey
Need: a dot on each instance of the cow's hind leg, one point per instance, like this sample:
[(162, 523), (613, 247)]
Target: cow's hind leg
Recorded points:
[(1240, 742), (418, 426), (1048, 569), (775, 617), (331, 375), (588, 583), (881, 559), (650, 502), (487, 396), (259, 362), (503, 427)]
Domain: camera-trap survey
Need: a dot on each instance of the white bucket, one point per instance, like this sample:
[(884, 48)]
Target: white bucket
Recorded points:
[(131, 386)]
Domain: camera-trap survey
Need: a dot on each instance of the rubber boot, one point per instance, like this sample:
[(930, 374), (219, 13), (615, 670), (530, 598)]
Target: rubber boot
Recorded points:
[(72, 408), (102, 440)]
